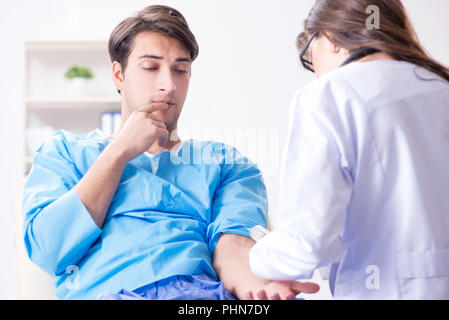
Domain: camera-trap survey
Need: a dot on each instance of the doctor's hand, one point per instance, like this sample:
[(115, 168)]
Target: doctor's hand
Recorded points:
[(282, 290), (141, 130)]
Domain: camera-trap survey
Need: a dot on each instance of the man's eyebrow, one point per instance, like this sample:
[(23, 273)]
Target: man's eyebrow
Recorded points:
[(148, 56), (183, 60)]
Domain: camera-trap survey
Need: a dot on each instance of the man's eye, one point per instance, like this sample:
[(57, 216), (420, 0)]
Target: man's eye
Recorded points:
[(180, 71), (149, 69)]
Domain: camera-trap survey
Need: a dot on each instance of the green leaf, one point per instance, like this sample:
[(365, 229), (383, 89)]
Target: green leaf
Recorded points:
[(78, 72)]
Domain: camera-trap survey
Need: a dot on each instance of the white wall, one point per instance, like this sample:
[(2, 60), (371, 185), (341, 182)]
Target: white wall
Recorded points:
[(243, 80)]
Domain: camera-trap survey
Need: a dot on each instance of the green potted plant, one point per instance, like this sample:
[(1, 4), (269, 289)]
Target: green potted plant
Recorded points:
[(78, 76)]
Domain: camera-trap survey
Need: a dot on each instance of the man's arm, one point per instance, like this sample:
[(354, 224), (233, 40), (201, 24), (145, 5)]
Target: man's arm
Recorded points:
[(63, 210), (231, 262), (98, 186)]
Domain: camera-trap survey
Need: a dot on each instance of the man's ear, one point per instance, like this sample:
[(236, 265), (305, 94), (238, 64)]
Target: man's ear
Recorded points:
[(117, 75)]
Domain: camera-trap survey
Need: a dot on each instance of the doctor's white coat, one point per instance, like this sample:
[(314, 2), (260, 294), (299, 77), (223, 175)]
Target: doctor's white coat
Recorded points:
[(365, 185)]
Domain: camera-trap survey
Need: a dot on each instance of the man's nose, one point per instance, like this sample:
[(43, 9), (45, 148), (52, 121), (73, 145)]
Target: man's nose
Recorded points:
[(166, 82)]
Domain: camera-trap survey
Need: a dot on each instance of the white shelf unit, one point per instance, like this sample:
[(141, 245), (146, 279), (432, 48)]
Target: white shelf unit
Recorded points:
[(49, 99)]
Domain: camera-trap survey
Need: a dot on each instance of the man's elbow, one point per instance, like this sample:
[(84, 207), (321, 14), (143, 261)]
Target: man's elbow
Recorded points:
[(229, 241), (230, 246), (231, 250), (45, 258)]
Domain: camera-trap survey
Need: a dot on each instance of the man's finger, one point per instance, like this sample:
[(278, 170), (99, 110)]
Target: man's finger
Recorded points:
[(153, 107), (286, 294), (249, 296), (291, 296), (154, 116), (262, 295), (305, 287), (276, 296), (159, 124)]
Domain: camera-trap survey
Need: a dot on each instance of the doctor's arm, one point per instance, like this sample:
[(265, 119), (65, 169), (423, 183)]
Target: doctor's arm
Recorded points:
[(240, 203), (316, 190)]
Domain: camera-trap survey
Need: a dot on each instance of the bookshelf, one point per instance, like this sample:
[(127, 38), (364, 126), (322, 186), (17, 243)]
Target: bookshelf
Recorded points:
[(51, 102)]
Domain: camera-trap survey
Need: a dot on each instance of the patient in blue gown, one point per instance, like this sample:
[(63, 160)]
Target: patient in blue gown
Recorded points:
[(164, 220), (142, 214)]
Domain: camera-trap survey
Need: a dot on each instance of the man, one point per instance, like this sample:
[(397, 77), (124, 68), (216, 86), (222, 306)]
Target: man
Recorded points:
[(143, 214)]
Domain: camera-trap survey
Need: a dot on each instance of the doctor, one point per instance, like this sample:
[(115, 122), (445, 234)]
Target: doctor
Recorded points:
[(365, 185)]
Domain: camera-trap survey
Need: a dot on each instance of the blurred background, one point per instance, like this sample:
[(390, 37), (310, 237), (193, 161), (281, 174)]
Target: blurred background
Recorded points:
[(56, 74)]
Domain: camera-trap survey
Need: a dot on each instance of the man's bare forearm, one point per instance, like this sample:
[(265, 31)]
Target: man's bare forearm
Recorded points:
[(231, 262), (98, 186)]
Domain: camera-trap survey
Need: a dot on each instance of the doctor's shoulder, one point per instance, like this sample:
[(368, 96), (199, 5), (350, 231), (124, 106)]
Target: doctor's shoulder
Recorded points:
[(324, 94)]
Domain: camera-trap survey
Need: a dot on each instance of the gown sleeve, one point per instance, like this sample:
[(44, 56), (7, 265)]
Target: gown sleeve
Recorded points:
[(316, 188), (58, 230), (240, 201)]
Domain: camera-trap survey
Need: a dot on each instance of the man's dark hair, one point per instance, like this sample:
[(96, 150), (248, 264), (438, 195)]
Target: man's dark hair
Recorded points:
[(160, 19)]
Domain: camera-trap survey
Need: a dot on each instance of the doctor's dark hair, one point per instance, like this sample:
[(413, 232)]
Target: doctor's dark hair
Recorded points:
[(344, 22), (157, 18)]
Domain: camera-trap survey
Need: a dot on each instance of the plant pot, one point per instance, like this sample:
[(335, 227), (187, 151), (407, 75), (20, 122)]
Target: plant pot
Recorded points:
[(77, 87)]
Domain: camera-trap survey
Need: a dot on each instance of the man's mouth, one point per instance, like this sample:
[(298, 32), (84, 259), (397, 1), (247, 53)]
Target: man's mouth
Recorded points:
[(167, 102)]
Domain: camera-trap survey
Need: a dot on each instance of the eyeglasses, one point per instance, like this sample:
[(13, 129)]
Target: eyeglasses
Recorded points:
[(306, 63)]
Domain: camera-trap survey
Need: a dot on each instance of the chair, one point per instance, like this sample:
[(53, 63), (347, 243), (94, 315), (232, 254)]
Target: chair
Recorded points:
[(33, 283)]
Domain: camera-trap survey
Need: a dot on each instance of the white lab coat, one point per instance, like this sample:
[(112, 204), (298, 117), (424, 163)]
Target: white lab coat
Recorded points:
[(365, 185)]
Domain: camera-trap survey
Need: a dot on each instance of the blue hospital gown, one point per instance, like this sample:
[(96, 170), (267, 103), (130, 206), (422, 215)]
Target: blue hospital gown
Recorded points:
[(165, 219)]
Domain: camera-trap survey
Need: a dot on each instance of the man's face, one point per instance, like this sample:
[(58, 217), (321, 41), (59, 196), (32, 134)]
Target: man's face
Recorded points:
[(158, 70)]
